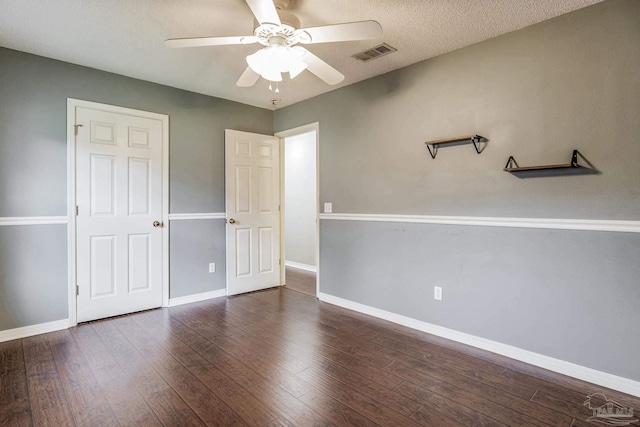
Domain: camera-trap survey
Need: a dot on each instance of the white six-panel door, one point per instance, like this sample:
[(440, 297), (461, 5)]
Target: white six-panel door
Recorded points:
[(119, 196), (252, 169)]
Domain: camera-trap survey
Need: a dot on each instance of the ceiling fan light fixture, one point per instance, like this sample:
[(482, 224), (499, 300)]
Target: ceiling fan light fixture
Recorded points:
[(262, 63), (276, 59), (295, 63), (297, 69)]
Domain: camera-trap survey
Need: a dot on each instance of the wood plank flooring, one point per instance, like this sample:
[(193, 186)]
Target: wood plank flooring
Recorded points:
[(274, 358)]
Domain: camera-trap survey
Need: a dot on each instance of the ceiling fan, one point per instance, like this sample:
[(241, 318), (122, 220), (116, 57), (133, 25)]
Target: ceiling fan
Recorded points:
[(279, 31)]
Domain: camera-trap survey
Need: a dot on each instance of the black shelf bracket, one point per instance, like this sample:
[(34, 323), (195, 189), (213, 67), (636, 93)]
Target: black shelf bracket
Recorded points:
[(574, 159)]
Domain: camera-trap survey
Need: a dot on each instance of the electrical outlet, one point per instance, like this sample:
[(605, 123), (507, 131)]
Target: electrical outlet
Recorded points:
[(328, 207), (437, 293), (212, 267)]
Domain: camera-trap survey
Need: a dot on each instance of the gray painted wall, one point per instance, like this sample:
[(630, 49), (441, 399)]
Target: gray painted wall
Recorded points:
[(33, 275), (300, 198), (571, 82), (33, 156), (195, 244)]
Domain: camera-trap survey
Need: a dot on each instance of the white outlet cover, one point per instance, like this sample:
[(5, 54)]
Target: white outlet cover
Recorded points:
[(437, 293), (212, 267), (328, 207)]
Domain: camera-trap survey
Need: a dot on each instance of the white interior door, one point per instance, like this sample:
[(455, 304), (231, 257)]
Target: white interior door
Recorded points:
[(252, 180), (119, 196)]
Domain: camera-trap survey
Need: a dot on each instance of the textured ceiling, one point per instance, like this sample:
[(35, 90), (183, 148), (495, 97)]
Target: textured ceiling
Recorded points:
[(126, 37)]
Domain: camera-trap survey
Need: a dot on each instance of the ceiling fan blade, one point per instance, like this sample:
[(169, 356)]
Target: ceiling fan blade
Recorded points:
[(361, 30), (321, 69), (248, 78), (264, 11), (210, 41)]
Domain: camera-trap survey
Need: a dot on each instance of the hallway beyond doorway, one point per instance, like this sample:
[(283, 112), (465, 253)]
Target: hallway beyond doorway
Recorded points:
[(300, 280)]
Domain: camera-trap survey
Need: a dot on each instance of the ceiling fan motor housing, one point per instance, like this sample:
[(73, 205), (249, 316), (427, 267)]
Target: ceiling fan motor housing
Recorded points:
[(287, 30)]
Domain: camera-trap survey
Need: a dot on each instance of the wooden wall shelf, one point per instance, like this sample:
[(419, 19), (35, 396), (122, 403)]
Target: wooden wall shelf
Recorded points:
[(474, 139), (512, 165)]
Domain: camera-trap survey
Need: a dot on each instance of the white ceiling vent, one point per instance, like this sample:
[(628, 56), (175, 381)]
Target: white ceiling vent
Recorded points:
[(373, 53)]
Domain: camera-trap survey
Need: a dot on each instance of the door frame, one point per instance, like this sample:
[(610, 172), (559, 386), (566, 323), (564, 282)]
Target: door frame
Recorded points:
[(282, 135), (72, 104)]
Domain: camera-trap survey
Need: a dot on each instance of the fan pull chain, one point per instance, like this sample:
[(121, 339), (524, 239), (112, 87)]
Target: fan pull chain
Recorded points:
[(271, 87)]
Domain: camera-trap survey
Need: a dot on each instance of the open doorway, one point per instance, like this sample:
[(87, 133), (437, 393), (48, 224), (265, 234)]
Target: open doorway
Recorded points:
[(300, 209)]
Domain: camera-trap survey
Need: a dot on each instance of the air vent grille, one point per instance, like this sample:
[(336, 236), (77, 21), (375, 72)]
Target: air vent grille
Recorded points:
[(374, 53)]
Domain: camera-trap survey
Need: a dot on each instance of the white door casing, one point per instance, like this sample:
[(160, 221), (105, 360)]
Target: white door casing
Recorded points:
[(119, 191), (252, 193)]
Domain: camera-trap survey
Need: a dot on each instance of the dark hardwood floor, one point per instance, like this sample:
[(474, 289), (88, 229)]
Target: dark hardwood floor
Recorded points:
[(300, 280), (274, 358)]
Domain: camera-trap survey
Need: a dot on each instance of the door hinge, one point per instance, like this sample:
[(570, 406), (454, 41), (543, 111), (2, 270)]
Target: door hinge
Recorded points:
[(278, 208), (77, 290), (279, 262), (77, 210), (75, 129)]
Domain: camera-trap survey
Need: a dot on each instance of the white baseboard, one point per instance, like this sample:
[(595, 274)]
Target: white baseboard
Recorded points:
[(197, 297), (604, 379), (301, 266), (28, 331)]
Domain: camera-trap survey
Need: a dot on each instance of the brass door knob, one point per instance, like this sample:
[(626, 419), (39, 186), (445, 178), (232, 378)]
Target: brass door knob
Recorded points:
[(157, 224), (232, 221)]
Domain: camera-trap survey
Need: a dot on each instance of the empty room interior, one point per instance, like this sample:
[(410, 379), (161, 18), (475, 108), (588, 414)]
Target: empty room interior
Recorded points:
[(320, 213)]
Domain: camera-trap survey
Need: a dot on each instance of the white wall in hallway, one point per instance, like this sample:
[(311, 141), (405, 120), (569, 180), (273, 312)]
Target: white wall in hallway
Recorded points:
[(300, 199)]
